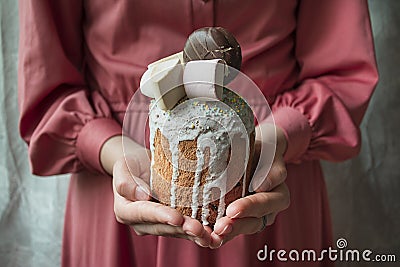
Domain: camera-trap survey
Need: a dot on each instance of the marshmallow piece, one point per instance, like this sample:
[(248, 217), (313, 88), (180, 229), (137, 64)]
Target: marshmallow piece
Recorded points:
[(163, 81), (204, 78), (146, 86)]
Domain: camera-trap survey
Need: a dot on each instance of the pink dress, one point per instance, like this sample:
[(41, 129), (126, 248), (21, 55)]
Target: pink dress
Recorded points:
[(81, 61)]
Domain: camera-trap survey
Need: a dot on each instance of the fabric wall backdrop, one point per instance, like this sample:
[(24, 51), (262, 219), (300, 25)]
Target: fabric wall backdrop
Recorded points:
[(364, 192)]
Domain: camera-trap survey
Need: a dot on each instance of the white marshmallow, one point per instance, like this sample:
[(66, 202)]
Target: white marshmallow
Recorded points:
[(163, 81), (204, 78)]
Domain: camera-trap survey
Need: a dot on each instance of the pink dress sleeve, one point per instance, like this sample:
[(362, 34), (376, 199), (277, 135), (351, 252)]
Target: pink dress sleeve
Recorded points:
[(335, 53), (62, 120)]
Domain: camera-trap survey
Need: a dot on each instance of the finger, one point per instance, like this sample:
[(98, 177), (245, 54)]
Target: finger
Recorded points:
[(223, 225), (276, 176), (193, 227), (160, 229), (216, 241), (200, 236), (198, 233), (248, 226), (264, 164), (139, 212), (128, 186), (259, 204), (239, 226), (208, 229), (139, 168), (169, 231)]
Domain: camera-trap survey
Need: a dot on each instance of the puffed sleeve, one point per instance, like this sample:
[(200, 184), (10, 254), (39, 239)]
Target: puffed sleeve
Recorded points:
[(335, 54), (63, 122)]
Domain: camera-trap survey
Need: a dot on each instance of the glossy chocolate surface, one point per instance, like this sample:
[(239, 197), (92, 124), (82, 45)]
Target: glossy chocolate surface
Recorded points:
[(214, 43)]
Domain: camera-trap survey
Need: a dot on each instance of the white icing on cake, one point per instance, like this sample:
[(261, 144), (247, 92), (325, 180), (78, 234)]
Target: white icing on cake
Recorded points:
[(196, 185), (223, 127)]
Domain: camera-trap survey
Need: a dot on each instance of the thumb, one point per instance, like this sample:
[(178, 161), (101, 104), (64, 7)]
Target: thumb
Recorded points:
[(127, 185), (276, 176), (264, 161)]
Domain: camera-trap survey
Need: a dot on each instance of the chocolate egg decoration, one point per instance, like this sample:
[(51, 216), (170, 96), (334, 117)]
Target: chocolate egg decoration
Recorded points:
[(214, 43)]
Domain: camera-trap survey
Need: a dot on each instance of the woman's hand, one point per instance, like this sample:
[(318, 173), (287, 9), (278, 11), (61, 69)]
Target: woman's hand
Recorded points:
[(132, 205), (252, 213)]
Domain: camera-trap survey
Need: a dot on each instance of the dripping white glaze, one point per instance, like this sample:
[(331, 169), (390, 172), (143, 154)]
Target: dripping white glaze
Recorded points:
[(175, 171), (196, 185)]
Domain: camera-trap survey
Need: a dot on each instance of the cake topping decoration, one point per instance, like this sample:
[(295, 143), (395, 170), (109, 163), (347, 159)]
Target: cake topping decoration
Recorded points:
[(204, 78), (163, 81), (214, 43), (200, 70)]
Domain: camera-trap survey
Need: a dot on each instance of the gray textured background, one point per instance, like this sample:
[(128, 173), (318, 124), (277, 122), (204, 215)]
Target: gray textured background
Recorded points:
[(364, 192)]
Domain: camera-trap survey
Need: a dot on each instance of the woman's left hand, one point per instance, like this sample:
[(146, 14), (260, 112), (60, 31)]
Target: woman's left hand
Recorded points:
[(252, 213)]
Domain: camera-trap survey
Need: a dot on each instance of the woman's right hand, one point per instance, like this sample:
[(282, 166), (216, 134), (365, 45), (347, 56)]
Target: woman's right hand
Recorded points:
[(132, 205)]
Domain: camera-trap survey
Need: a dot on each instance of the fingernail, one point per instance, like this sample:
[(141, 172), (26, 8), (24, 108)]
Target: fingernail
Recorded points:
[(170, 223), (236, 215), (218, 245), (199, 244), (227, 230), (140, 194), (216, 241), (190, 233)]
